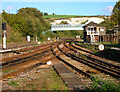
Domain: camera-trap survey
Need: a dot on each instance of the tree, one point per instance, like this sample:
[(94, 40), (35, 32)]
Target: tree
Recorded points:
[(30, 11), (28, 21), (108, 24), (114, 19), (63, 22), (116, 13), (46, 13)]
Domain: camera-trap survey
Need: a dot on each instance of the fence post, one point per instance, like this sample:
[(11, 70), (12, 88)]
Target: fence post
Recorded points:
[(112, 38)]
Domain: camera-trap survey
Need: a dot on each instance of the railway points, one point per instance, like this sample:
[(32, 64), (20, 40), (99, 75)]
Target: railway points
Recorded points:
[(40, 51), (75, 71)]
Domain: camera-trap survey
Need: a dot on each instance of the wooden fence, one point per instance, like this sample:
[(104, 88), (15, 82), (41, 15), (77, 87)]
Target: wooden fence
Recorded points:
[(111, 38)]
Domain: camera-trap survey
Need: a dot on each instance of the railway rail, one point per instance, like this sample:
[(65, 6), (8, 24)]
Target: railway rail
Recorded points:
[(65, 53), (91, 55), (94, 57), (71, 65), (13, 46), (99, 64), (95, 46), (25, 64), (40, 50), (66, 76), (85, 72), (32, 61)]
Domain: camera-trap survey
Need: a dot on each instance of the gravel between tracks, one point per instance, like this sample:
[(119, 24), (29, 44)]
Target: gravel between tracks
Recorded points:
[(39, 78)]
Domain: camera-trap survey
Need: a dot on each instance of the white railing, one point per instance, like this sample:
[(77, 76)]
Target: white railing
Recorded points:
[(61, 27)]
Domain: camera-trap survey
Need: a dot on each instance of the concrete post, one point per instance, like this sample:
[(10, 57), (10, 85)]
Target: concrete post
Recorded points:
[(36, 39), (4, 40), (28, 38)]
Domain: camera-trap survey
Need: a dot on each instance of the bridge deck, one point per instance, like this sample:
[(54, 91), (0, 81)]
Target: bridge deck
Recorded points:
[(61, 27)]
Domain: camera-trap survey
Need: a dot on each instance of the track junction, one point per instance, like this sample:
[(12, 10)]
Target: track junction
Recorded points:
[(76, 65)]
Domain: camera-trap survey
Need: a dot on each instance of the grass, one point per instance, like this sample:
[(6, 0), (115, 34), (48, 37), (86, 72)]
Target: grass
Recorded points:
[(106, 53), (107, 84), (36, 45), (89, 46), (64, 16), (47, 79), (8, 71), (56, 85), (114, 44), (13, 83)]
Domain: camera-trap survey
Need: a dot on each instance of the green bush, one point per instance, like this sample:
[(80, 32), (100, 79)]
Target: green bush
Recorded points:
[(69, 33), (15, 36), (28, 21), (106, 84), (12, 83)]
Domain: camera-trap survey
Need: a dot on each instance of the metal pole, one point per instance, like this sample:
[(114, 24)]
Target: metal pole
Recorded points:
[(93, 35), (4, 40)]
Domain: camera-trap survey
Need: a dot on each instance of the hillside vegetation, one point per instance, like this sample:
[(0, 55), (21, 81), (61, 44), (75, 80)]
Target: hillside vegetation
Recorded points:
[(32, 22), (64, 16), (28, 21)]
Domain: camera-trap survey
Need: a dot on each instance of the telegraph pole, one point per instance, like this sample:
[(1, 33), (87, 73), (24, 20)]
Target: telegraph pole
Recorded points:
[(4, 35)]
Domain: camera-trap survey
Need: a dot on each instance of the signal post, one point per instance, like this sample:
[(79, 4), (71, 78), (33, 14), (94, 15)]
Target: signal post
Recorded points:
[(4, 35)]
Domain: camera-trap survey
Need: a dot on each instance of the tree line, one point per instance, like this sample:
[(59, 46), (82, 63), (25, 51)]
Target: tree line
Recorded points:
[(27, 21), (114, 20)]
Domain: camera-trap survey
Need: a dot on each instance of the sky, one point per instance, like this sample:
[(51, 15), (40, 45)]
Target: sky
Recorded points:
[(62, 8)]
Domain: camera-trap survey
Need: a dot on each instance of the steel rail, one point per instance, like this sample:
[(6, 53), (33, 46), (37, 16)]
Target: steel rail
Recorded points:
[(92, 64), (42, 60)]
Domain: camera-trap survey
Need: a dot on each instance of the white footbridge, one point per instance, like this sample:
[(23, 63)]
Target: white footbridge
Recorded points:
[(62, 27)]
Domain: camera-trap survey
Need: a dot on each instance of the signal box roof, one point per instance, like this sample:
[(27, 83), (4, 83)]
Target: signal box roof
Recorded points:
[(91, 24)]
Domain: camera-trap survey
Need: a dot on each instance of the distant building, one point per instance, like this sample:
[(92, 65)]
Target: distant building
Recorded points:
[(93, 32)]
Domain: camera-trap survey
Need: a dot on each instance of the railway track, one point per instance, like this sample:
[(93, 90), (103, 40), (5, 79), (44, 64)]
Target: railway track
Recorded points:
[(100, 65), (13, 46), (29, 63), (64, 53), (82, 67), (30, 55), (96, 58), (68, 63), (82, 47), (71, 64)]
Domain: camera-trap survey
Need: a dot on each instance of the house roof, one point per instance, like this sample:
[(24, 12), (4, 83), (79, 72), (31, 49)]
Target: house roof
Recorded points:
[(91, 24)]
